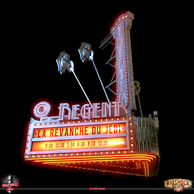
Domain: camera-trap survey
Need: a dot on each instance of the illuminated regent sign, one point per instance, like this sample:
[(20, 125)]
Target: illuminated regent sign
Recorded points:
[(73, 113), (69, 135)]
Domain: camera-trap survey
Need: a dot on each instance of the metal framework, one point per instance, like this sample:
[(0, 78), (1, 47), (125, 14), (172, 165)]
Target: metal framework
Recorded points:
[(137, 87), (108, 62)]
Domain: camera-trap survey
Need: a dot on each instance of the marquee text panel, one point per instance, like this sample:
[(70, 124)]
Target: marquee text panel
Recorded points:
[(79, 144), (79, 130)]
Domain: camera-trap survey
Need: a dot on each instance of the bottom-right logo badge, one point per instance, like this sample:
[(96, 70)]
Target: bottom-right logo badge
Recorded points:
[(178, 184)]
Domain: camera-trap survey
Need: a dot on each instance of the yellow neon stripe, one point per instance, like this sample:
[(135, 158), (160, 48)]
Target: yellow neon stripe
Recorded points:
[(101, 156), (73, 161), (119, 158)]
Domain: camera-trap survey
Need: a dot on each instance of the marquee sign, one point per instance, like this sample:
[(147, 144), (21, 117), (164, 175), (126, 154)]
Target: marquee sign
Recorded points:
[(66, 135), (103, 137)]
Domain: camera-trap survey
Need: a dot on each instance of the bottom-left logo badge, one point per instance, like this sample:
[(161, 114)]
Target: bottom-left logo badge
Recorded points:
[(9, 182)]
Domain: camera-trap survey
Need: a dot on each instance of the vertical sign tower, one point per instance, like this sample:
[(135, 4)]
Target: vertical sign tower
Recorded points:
[(125, 82)]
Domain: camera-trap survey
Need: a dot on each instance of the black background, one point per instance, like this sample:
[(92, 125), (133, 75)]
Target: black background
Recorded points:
[(34, 35)]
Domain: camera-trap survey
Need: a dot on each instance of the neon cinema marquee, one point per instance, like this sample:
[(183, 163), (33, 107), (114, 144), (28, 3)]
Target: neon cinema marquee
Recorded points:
[(100, 135), (79, 129)]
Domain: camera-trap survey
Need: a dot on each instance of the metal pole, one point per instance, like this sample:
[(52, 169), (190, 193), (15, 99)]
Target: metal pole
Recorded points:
[(106, 44), (113, 75), (112, 53), (140, 105), (100, 81), (111, 83), (112, 65), (81, 88), (112, 91), (110, 59), (105, 41), (105, 38)]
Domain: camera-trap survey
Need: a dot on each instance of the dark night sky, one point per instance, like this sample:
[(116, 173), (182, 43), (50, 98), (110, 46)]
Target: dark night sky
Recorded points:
[(36, 35)]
